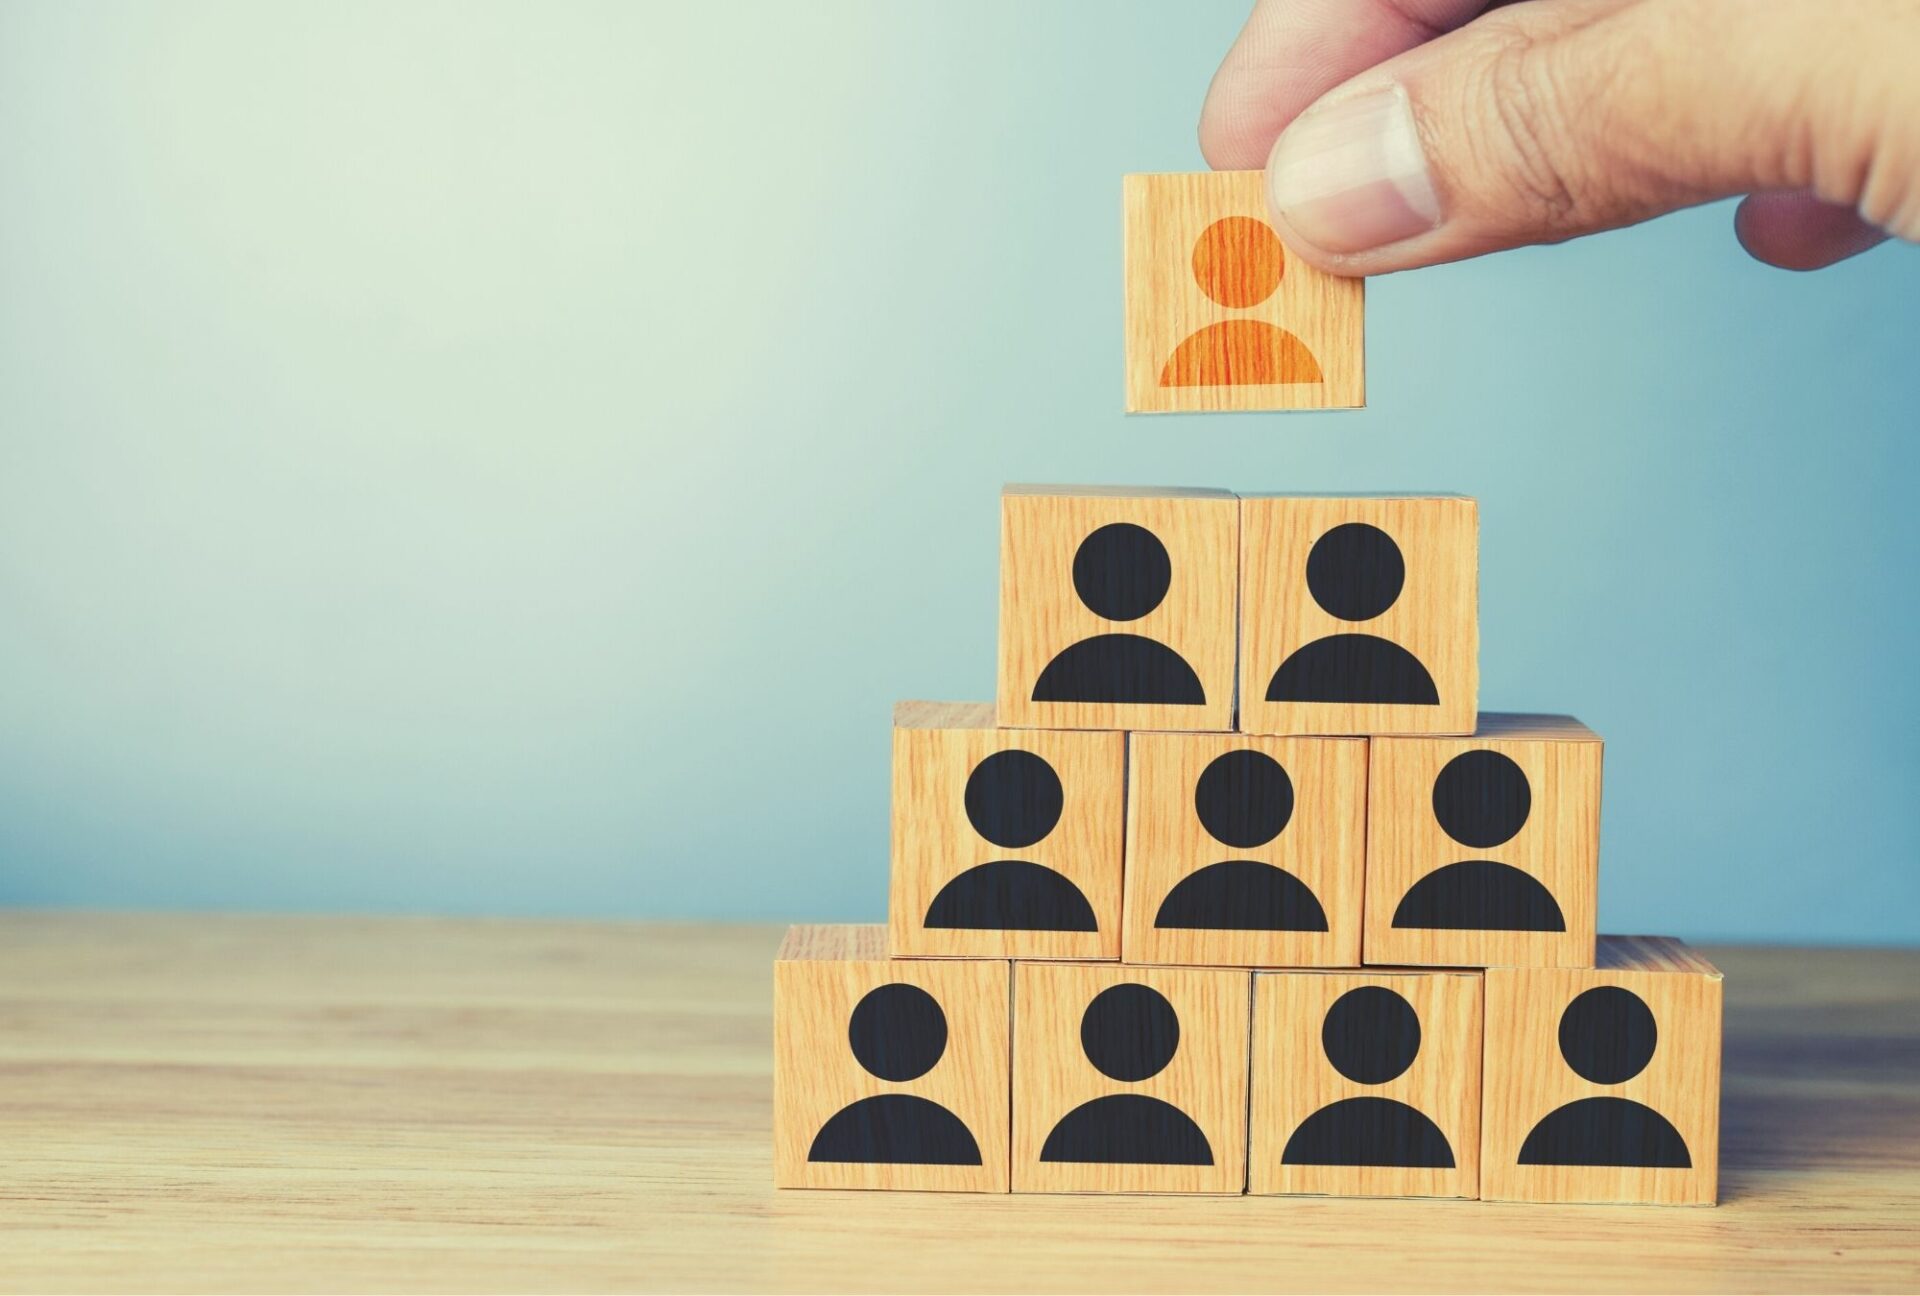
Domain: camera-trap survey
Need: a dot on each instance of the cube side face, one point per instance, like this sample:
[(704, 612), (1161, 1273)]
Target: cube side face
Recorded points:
[(1433, 900), (951, 887), (1309, 793), (1223, 317), (1553, 1135), (1139, 661), (1180, 1128), (827, 1104), (1317, 1130), (1359, 662)]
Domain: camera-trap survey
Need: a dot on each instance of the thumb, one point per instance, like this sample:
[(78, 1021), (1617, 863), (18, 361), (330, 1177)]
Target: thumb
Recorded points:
[(1544, 121)]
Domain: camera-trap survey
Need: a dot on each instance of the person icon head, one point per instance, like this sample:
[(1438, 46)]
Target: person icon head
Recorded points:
[(1371, 1035), (1607, 1037), (1238, 262), (897, 1033), (1130, 1033), (1481, 799), (1121, 573), (1013, 800), (1244, 799), (1355, 572)]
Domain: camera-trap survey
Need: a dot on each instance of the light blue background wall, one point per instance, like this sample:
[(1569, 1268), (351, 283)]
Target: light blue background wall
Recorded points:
[(509, 458)]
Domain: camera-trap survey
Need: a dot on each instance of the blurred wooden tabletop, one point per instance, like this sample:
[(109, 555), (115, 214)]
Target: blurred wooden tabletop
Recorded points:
[(314, 1104)]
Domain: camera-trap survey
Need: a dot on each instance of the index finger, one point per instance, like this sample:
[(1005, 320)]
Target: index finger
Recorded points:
[(1293, 51)]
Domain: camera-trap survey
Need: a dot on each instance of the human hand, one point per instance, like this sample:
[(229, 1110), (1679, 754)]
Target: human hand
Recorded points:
[(1403, 133)]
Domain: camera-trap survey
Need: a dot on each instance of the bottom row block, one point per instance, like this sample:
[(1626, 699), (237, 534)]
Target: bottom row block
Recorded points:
[(1525, 1084)]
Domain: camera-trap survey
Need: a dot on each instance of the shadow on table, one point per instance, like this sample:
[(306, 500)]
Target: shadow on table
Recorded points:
[(1808, 1101)]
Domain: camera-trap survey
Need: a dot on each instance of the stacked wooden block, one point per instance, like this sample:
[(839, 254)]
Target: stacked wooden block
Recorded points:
[(1338, 939)]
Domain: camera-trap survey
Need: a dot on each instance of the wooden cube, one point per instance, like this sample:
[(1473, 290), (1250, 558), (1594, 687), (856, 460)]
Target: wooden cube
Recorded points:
[(1603, 1084), (1117, 607), (1359, 615), (1245, 851), (1485, 851), (1006, 842), (1220, 315), (887, 1074), (1366, 1084), (1129, 1079)]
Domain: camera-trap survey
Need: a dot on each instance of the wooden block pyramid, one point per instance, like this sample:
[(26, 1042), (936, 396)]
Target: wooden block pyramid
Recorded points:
[(1233, 889)]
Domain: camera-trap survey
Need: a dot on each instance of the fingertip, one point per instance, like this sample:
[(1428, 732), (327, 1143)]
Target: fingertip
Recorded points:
[(1229, 141), (1793, 230), (1291, 52)]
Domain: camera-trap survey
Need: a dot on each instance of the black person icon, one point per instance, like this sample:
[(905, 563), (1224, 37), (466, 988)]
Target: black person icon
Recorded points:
[(1013, 799), (1244, 799), (1607, 1036), (898, 1033), (1355, 572), (1371, 1036), (1121, 573), (1481, 799), (1130, 1033)]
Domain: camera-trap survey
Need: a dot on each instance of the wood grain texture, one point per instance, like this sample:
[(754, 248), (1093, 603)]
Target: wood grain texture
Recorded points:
[(1206, 1078), (1293, 1079), (1558, 845), (821, 974), (240, 1104), (1527, 1077), (1435, 616), (1323, 845), (1220, 316), (1042, 613), (934, 841)]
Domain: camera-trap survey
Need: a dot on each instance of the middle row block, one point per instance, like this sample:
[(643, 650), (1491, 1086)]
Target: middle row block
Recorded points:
[(1245, 852), (1241, 850)]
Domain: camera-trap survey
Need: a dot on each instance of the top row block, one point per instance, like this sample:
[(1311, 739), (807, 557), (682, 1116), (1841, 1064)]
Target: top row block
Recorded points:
[(1132, 608)]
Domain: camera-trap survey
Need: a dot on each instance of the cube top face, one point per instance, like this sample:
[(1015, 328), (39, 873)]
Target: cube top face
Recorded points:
[(943, 715), (1117, 609), (843, 942), (1129, 1079), (1359, 615), (1603, 1084), (888, 1074), (1366, 1084), (1007, 843), (1484, 851), (1221, 315), (1245, 851)]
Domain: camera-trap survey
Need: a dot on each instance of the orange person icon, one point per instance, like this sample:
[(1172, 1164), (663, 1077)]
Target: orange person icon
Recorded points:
[(1238, 262)]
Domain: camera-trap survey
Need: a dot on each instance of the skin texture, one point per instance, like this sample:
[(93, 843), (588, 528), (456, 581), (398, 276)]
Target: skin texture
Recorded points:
[(1545, 120)]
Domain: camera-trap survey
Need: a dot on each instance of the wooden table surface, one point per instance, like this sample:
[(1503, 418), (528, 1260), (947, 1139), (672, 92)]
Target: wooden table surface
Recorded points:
[(310, 1104)]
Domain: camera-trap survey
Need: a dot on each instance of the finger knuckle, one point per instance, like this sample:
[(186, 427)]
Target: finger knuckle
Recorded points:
[(1533, 133)]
